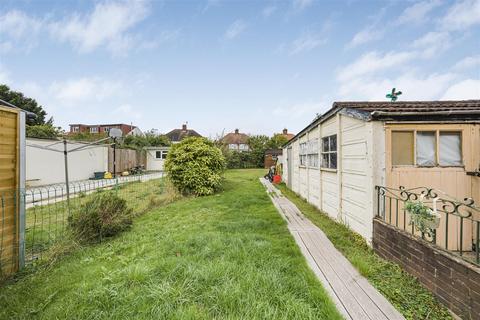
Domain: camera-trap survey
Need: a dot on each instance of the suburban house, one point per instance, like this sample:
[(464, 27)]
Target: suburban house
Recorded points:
[(286, 134), (337, 161), (236, 141), (156, 158), (12, 181), (177, 135), (127, 129)]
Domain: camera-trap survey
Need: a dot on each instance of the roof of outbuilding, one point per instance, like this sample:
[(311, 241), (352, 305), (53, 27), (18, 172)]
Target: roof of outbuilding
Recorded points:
[(448, 110), (410, 106)]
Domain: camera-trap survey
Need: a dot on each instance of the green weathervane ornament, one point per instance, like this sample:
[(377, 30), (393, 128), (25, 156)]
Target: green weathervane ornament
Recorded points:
[(394, 95)]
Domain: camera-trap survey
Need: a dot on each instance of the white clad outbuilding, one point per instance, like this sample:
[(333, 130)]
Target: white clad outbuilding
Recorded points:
[(333, 162)]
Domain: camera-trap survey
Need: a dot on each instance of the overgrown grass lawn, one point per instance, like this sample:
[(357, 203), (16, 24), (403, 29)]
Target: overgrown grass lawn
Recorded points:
[(226, 256)]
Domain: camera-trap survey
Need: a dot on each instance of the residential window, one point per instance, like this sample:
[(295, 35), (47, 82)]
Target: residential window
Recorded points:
[(233, 146), (402, 148), (450, 149), (75, 129), (94, 130), (161, 154), (106, 129), (312, 153), (303, 154), (431, 148), (426, 148), (329, 152)]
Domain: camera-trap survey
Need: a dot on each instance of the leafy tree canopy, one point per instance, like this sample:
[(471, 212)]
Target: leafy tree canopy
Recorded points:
[(43, 131), (277, 141), (149, 139), (18, 99)]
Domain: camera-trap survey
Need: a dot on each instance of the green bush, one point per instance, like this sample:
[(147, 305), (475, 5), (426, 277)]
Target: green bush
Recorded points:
[(104, 215), (43, 131), (195, 166)]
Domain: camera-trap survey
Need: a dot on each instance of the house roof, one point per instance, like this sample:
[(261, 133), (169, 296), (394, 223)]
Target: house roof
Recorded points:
[(235, 138), (180, 134), (102, 125), (274, 152), (428, 111)]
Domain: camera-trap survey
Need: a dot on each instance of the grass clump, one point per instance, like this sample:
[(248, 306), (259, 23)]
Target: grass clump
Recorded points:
[(104, 215), (403, 290)]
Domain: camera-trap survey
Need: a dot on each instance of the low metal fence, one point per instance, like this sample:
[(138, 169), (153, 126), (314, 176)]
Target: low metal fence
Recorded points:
[(44, 220), (456, 228)]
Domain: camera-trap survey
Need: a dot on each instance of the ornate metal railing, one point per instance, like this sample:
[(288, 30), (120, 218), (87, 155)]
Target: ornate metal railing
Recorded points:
[(457, 227)]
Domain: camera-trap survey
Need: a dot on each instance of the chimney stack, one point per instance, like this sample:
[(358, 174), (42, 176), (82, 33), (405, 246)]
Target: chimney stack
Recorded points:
[(285, 131), (236, 131), (184, 127)]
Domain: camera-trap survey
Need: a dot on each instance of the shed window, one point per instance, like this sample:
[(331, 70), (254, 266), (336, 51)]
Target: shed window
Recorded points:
[(161, 154), (312, 150), (329, 152), (303, 154), (402, 148), (426, 148), (431, 148), (450, 149)]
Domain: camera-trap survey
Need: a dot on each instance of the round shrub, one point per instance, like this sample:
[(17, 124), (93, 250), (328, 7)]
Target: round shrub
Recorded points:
[(104, 215), (195, 166)]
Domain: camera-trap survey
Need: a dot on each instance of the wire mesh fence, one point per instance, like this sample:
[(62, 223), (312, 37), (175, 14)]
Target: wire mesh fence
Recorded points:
[(47, 209)]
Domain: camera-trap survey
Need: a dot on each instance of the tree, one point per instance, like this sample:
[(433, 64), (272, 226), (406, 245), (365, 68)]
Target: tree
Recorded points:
[(43, 131), (258, 144), (18, 99), (195, 166), (278, 141), (149, 139)]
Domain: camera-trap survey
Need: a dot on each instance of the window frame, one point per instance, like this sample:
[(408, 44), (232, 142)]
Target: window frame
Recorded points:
[(437, 133), (329, 152), (312, 150), (163, 154), (303, 154)]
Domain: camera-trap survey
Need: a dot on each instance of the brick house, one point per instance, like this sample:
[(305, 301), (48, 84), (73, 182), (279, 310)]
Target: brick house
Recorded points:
[(177, 135), (105, 128), (236, 141)]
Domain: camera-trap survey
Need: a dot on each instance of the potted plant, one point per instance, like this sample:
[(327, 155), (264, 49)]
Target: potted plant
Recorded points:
[(423, 217)]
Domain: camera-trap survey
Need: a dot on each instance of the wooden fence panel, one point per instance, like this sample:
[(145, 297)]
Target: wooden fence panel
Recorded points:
[(125, 158), (9, 189)]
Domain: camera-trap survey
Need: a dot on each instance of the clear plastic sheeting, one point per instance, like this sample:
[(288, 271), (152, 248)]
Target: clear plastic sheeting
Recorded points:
[(450, 149), (426, 146)]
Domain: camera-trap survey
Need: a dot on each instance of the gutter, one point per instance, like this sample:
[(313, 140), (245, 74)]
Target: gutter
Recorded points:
[(30, 115), (424, 113)]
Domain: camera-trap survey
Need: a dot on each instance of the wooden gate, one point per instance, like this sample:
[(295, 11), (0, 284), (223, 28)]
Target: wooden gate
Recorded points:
[(453, 180), (9, 189)]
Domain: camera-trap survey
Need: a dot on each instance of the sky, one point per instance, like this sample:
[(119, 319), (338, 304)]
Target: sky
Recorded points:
[(259, 66)]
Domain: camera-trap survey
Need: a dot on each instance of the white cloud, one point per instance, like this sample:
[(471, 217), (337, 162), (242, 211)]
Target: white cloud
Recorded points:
[(300, 110), (4, 75), (466, 63), (301, 4), (372, 62), (108, 24), (235, 29), (85, 89), (413, 86), (18, 31), (366, 35), (268, 11), (462, 15), (127, 110), (306, 43), (465, 89), (433, 43), (418, 12)]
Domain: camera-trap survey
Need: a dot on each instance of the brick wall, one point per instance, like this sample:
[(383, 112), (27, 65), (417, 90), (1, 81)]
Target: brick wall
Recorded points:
[(455, 282)]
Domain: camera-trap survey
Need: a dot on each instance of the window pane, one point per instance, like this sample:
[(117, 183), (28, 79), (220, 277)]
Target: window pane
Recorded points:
[(325, 160), (325, 144), (426, 146), (158, 154), (402, 148), (333, 143), (333, 160), (450, 149)]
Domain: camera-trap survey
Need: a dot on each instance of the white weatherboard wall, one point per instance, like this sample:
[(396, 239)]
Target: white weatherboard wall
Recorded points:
[(348, 193), (47, 167), (154, 164)]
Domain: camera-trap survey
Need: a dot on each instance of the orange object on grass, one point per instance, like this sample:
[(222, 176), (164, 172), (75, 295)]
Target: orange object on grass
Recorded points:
[(277, 179)]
